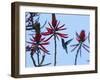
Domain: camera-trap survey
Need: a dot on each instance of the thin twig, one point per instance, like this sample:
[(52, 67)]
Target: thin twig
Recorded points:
[(44, 24), (86, 49), (74, 48), (77, 54), (44, 64), (43, 57), (80, 51), (33, 60), (74, 45), (38, 58), (86, 46), (29, 28)]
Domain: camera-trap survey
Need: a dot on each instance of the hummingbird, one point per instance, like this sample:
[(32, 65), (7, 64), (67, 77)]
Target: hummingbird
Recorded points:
[(64, 44)]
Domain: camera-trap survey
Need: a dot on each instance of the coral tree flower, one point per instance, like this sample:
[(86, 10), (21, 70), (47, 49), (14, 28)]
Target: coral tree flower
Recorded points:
[(54, 29), (37, 43), (81, 37)]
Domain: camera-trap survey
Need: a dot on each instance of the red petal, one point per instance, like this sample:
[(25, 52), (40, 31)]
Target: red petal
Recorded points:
[(42, 39), (49, 31), (78, 39), (45, 33), (82, 35), (43, 49), (37, 37), (63, 35)]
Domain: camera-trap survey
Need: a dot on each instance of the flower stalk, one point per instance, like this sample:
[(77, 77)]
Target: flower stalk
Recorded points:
[(76, 56), (54, 31), (55, 54), (81, 38)]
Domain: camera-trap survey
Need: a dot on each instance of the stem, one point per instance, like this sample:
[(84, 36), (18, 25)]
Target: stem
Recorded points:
[(43, 57), (76, 59), (41, 63), (38, 58), (55, 54), (76, 45), (44, 65), (77, 54), (85, 48), (33, 59), (80, 52)]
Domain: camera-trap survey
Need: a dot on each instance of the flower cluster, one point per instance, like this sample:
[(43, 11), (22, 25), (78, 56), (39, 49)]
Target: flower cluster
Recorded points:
[(37, 43), (54, 29), (81, 38)]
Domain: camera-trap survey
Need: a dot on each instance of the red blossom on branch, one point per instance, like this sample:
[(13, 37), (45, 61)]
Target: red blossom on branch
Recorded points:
[(37, 43), (54, 29), (81, 37)]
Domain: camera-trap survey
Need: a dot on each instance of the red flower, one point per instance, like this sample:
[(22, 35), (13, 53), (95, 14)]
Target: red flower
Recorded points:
[(37, 37), (37, 43), (54, 28), (81, 37)]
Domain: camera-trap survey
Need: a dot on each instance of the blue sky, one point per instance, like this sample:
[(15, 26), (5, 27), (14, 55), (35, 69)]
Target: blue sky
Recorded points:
[(74, 23)]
